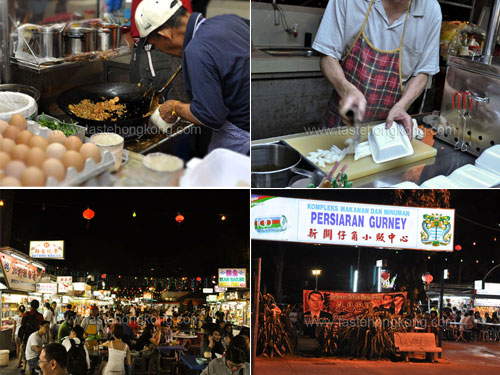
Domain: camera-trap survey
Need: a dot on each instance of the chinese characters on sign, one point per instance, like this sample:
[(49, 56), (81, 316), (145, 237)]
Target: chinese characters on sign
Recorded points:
[(352, 224), (20, 275), (232, 277), (47, 249), (46, 288)]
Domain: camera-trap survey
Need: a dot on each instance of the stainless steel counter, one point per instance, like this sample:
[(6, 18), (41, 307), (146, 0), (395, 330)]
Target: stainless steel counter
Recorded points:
[(445, 162)]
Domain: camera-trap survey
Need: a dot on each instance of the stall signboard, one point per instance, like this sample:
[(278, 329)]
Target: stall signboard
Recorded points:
[(82, 290), (233, 277), (62, 287), (147, 295), (321, 306), (212, 298), (20, 275), (208, 290), (352, 224), (46, 288), (65, 279), (47, 249), (490, 289), (218, 289)]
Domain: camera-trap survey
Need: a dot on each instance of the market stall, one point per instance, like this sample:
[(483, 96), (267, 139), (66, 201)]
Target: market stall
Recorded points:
[(19, 276), (453, 144), (97, 102)]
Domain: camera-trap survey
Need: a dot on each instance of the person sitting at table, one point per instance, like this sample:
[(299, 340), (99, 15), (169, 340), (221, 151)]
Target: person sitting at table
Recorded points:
[(211, 343), (118, 352), (146, 338), (494, 318), (78, 363), (458, 317), (163, 335), (234, 362), (65, 328)]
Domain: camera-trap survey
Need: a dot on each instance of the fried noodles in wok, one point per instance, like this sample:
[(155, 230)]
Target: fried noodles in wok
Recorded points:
[(100, 111)]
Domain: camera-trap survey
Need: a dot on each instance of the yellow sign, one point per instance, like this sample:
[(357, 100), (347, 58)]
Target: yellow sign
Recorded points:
[(233, 277)]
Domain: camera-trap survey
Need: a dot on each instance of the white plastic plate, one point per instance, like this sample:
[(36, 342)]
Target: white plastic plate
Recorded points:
[(474, 177), (389, 144)]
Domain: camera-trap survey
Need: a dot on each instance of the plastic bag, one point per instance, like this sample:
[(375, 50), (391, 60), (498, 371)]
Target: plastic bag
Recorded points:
[(12, 103)]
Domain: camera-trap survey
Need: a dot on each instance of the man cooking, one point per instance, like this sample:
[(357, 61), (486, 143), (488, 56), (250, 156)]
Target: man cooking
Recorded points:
[(216, 68), (379, 55)]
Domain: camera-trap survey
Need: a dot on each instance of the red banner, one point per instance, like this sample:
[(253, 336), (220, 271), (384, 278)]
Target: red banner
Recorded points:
[(321, 306)]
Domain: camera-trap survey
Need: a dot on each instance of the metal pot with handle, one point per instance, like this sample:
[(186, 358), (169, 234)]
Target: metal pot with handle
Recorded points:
[(77, 40), (273, 165), (47, 42)]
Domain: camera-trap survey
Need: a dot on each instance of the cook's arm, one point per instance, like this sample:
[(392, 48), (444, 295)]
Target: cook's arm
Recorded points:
[(350, 96), (182, 110)]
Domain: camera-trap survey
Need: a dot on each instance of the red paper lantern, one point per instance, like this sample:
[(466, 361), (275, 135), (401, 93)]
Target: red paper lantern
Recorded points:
[(198, 278), (428, 278), (179, 218), (88, 214), (103, 276), (458, 247), (384, 275)]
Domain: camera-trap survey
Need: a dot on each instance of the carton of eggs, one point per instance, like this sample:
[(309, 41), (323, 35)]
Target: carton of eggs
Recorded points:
[(30, 159)]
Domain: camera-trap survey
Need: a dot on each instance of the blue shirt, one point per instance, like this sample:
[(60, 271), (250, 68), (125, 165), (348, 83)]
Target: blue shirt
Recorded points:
[(216, 70)]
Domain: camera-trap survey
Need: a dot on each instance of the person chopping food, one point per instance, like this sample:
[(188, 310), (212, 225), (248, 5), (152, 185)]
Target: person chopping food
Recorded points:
[(378, 56), (215, 64)]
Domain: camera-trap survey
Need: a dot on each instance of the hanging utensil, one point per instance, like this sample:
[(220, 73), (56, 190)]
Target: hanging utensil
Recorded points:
[(155, 96)]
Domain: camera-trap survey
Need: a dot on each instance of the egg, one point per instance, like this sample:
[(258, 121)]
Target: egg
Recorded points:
[(10, 181), (3, 125), (54, 168), (24, 137), (35, 157), (33, 176), (90, 150), (55, 150), (73, 158), (39, 141), (4, 159), (73, 143), (56, 136), (19, 152), (11, 132), (14, 169), (18, 121), (7, 145)]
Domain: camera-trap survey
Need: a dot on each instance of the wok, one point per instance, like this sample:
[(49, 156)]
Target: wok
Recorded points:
[(134, 97)]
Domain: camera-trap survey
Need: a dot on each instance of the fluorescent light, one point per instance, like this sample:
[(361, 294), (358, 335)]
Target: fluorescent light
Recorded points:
[(379, 284), (355, 284), (19, 258), (38, 265)]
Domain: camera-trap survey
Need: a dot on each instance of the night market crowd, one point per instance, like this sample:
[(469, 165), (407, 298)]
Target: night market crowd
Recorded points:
[(123, 340)]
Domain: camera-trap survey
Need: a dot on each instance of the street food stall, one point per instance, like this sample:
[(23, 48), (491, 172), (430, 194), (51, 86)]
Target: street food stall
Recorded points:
[(19, 275), (290, 97), (71, 73)]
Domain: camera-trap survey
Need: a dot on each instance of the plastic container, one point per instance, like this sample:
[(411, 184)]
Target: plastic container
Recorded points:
[(220, 168), (406, 185), (4, 357), (25, 89), (389, 144), (163, 169), (441, 182), (111, 142), (12, 103), (474, 177), (490, 159)]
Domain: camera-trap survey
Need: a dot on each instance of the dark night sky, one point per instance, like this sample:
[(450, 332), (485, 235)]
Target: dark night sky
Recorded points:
[(477, 205), (118, 243)]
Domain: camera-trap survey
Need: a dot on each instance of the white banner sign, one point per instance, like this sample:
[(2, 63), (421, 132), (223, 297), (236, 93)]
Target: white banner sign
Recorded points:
[(353, 224), (47, 249), (208, 290), (48, 288), (62, 287), (232, 277), (65, 279)]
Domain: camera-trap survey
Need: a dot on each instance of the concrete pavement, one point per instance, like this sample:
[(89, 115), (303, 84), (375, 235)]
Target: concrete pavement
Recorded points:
[(458, 359)]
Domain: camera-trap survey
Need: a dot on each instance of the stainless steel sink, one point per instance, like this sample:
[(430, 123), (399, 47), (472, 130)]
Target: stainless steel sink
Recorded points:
[(302, 52)]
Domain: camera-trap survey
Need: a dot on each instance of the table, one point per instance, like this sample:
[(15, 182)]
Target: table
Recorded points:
[(190, 361), (461, 335)]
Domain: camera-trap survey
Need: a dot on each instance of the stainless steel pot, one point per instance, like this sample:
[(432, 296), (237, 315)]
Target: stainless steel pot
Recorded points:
[(115, 33), (273, 165), (77, 40), (104, 40), (47, 42)]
